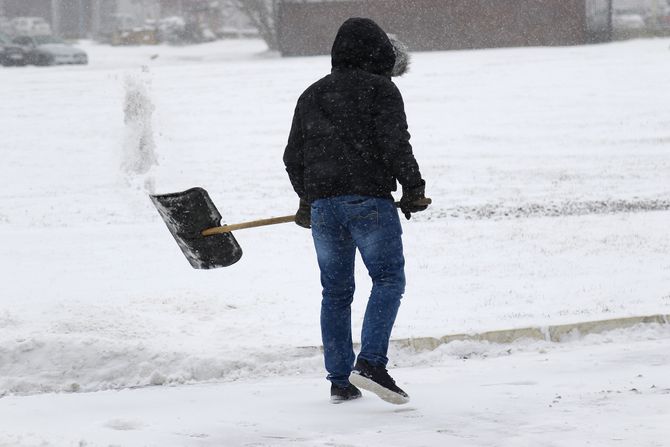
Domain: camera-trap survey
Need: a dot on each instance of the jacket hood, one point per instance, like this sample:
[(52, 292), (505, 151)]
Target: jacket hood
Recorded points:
[(361, 43)]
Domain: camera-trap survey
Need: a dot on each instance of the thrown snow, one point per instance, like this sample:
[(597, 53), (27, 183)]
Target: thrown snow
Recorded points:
[(139, 146)]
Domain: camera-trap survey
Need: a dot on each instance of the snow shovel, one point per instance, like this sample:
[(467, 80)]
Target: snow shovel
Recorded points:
[(195, 223)]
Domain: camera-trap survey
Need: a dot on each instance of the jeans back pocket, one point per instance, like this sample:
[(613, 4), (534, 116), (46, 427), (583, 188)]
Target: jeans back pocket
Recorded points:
[(363, 215)]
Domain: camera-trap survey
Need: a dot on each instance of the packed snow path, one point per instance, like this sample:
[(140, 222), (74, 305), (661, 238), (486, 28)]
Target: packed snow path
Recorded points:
[(606, 390)]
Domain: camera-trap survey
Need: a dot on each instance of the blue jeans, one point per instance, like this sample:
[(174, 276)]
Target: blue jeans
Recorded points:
[(340, 225)]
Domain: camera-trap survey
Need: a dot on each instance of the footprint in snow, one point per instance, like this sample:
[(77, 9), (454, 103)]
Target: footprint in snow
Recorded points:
[(124, 424)]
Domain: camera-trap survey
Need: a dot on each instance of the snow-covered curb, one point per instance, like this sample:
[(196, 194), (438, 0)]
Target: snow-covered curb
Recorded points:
[(554, 333)]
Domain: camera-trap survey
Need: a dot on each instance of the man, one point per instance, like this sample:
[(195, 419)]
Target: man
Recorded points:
[(347, 147)]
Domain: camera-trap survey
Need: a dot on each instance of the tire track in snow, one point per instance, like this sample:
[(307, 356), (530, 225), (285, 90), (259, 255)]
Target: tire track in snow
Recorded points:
[(550, 209)]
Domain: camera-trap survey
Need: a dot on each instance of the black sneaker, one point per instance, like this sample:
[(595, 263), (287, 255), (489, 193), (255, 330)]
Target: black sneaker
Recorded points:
[(341, 394), (377, 380)]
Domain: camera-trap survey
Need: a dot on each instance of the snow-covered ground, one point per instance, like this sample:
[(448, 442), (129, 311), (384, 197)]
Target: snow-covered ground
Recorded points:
[(548, 169)]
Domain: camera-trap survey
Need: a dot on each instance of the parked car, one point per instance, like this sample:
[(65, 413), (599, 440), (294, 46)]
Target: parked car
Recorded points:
[(49, 50), (10, 53), (30, 26), (627, 22), (663, 17), (5, 25)]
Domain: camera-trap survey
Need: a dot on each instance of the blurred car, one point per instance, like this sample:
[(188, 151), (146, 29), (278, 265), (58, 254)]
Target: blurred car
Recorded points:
[(627, 22), (10, 53), (30, 26), (5, 25), (663, 19), (49, 50)]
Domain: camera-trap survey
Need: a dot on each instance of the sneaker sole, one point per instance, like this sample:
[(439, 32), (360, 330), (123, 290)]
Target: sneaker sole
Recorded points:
[(372, 386)]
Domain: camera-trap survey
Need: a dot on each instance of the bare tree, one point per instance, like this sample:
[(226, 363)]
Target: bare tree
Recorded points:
[(262, 15)]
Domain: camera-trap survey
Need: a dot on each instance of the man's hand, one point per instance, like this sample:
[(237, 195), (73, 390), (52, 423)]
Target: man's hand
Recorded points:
[(413, 200), (304, 215)]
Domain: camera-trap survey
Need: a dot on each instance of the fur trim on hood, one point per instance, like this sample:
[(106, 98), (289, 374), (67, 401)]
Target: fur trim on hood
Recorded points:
[(402, 57)]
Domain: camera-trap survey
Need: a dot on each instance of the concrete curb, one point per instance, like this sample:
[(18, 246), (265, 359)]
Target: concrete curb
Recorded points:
[(557, 333)]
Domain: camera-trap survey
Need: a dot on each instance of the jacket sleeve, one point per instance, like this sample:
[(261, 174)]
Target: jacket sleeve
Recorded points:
[(393, 137), (293, 154)]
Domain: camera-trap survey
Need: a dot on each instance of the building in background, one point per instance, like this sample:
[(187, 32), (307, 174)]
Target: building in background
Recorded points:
[(308, 27), (301, 27)]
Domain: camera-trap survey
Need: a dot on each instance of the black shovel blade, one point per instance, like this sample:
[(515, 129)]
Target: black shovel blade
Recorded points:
[(186, 214)]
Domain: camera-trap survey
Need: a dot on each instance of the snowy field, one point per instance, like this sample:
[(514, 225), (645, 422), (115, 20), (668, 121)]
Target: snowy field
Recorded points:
[(548, 169)]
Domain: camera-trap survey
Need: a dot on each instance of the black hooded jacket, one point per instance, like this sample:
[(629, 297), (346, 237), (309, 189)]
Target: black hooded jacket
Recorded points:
[(349, 132)]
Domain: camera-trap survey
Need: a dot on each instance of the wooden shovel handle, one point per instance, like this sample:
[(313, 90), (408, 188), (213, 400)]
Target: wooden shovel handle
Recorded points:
[(273, 221), (251, 224)]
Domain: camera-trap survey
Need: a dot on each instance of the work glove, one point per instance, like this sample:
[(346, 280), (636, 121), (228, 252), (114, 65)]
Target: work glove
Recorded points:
[(413, 200), (304, 215)]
